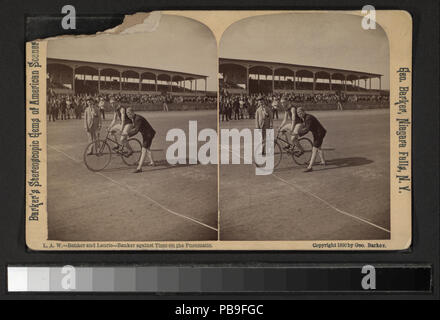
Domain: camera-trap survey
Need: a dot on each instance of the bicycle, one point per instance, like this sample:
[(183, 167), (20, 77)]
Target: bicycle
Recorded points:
[(281, 145), (98, 154)]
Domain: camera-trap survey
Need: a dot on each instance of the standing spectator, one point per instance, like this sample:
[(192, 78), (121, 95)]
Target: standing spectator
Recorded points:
[(101, 106), (78, 108), (241, 105), (264, 119), (92, 122), (63, 107), (229, 109), (236, 106), (68, 107), (275, 108), (50, 107), (338, 103)]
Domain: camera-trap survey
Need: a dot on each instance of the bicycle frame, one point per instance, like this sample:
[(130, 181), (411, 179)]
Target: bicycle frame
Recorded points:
[(278, 138), (107, 138)]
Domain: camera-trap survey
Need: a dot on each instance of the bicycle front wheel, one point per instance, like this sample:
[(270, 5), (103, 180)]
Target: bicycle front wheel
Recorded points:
[(132, 153), (97, 155), (277, 153), (302, 157)]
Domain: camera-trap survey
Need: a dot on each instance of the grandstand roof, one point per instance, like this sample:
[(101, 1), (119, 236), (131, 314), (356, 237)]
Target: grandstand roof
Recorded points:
[(296, 67), (122, 68)]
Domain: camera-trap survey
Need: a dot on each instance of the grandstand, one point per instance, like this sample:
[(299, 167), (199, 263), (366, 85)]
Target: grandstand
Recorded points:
[(85, 77), (250, 77)]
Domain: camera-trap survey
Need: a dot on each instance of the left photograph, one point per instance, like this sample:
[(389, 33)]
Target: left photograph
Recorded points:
[(124, 114)]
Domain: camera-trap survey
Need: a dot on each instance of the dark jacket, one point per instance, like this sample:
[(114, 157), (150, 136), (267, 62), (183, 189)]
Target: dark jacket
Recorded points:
[(140, 124), (312, 124)]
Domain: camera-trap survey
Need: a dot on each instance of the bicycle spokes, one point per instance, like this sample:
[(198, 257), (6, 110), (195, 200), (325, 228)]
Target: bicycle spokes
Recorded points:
[(98, 160)]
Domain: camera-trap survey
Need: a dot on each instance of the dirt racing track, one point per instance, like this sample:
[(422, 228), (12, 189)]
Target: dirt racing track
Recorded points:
[(162, 203), (346, 200)]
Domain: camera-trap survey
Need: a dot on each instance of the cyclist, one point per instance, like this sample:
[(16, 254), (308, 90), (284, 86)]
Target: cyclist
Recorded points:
[(293, 127), (122, 127)]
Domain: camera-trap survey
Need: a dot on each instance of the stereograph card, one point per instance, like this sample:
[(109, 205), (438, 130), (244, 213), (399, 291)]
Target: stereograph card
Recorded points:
[(222, 130)]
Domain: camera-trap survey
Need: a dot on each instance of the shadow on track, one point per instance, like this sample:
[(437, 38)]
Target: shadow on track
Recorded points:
[(332, 164), (159, 165), (346, 162)]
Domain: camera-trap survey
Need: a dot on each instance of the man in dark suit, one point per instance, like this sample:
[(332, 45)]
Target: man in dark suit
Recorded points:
[(318, 131), (140, 124)]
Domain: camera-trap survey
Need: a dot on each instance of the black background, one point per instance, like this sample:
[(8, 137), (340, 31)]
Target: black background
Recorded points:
[(13, 14)]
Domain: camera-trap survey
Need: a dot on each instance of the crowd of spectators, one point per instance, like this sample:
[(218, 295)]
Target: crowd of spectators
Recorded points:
[(62, 106), (242, 106)]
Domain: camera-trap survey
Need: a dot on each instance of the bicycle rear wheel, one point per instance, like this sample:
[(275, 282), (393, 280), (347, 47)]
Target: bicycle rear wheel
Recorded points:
[(303, 158), (132, 159), (97, 155), (277, 154)]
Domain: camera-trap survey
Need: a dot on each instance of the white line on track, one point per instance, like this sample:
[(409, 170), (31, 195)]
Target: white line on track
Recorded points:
[(318, 198), (123, 185), (330, 205)]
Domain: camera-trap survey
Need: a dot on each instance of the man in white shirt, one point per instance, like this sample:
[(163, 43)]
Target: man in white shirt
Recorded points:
[(275, 108), (101, 105)]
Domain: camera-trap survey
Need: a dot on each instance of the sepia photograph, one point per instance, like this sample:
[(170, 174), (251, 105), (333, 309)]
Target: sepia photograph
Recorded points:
[(111, 103), (321, 82), (213, 130)]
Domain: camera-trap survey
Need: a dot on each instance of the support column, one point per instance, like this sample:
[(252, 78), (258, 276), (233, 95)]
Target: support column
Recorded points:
[(120, 81), (195, 83), (73, 80), (206, 85), (155, 81), (330, 81), (380, 82), (273, 81), (171, 84), (345, 83), (99, 80), (140, 82), (247, 79), (314, 81), (294, 80), (184, 85)]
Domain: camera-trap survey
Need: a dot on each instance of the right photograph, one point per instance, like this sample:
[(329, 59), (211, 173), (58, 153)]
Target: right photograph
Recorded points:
[(321, 81)]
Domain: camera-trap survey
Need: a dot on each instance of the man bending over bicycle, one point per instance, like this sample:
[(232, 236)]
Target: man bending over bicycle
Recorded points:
[(123, 127), (140, 124), (293, 127), (315, 127)]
